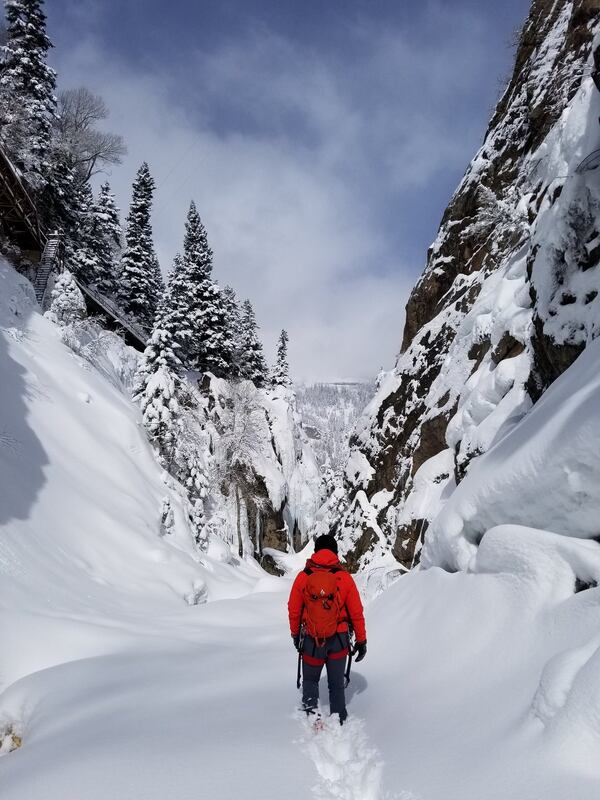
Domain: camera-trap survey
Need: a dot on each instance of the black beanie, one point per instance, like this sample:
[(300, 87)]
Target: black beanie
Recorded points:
[(326, 542)]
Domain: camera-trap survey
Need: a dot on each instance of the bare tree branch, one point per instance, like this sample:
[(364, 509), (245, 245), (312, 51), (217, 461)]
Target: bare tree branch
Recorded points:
[(75, 132)]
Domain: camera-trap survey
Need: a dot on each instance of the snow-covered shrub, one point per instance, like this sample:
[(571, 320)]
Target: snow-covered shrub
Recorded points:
[(67, 306)]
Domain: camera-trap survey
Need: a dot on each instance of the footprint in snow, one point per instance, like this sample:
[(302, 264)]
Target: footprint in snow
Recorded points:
[(348, 767)]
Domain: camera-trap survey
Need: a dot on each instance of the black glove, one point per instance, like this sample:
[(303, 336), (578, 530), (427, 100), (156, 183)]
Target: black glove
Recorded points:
[(296, 640), (360, 651)]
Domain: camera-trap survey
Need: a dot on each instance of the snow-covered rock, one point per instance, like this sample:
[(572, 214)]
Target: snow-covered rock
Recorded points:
[(265, 483), (544, 473)]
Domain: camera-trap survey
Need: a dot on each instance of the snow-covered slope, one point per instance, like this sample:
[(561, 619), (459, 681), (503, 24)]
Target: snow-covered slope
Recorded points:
[(81, 500)]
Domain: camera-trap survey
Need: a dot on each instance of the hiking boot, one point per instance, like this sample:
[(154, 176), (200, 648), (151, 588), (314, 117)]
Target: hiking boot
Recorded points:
[(311, 710)]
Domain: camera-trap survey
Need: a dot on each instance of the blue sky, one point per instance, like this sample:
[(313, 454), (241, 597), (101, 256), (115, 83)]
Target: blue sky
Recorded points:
[(320, 140)]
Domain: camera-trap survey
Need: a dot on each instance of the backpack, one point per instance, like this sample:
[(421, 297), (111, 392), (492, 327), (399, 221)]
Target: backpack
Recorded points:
[(323, 608)]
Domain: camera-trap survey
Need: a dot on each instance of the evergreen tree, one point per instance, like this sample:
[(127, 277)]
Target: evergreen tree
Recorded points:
[(27, 83), (107, 217), (79, 252), (60, 199), (195, 243), (158, 383), (67, 306), (105, 240), (197, 304), (253, 366), (176, 307), (156, 279), (168, 408), (280, 376), (91, 237), (141, 282), (216, 345), (234, 325)]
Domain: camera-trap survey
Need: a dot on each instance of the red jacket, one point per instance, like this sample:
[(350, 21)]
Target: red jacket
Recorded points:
[(349, 594)]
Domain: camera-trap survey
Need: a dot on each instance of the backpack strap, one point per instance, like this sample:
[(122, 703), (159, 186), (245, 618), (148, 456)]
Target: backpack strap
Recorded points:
[(333, 570)]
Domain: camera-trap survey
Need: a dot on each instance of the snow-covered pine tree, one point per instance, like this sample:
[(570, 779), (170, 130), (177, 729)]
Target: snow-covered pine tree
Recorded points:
[(157, 383), (107, 218), (253, 366), (191, 471), (234, 324), (156, 277), (105, 239), (176, 308), (168, 404), (280, 375), (140, 285), (68, 305), (217, 344), (195, 243), (197, 303), (79, 251), (27, 83)]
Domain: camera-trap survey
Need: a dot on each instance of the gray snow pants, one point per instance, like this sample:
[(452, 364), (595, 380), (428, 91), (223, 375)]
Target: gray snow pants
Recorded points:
[(333, 656)]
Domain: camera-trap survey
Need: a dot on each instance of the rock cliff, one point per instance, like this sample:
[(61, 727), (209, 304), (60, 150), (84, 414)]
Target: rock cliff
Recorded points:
[(508, 298)]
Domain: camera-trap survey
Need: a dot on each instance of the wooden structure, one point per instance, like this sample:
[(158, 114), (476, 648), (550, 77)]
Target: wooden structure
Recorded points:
[(21, 224), (99, 304), (18, 211), (51, 261)]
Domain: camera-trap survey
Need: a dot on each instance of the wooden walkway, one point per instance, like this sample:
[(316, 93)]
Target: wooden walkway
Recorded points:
[(98, 304)]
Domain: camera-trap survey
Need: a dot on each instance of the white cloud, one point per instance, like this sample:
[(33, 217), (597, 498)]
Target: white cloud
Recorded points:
[(290, 157)]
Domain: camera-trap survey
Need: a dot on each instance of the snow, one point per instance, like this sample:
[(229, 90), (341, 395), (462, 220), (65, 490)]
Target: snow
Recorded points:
[(271, 441), (564, 269), (545, 470), (358, 468), (544, 59), (433, 483), (477, 684), (329, 412), (348, 766)]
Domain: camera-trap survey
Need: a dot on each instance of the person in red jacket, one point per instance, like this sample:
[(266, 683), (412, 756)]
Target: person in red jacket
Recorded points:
[(323, 602)]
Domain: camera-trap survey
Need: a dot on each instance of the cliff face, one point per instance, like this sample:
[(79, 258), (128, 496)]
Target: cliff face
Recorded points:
[(508, 298), (264, 484)]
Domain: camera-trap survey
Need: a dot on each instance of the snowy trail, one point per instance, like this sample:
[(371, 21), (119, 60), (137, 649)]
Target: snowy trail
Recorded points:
[(347, 765), (203, 710)]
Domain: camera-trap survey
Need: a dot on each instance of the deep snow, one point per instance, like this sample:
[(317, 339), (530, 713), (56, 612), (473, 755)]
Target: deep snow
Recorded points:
[(478, 684)]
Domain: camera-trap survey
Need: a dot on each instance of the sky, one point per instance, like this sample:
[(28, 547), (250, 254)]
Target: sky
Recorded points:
[(321, 142)]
